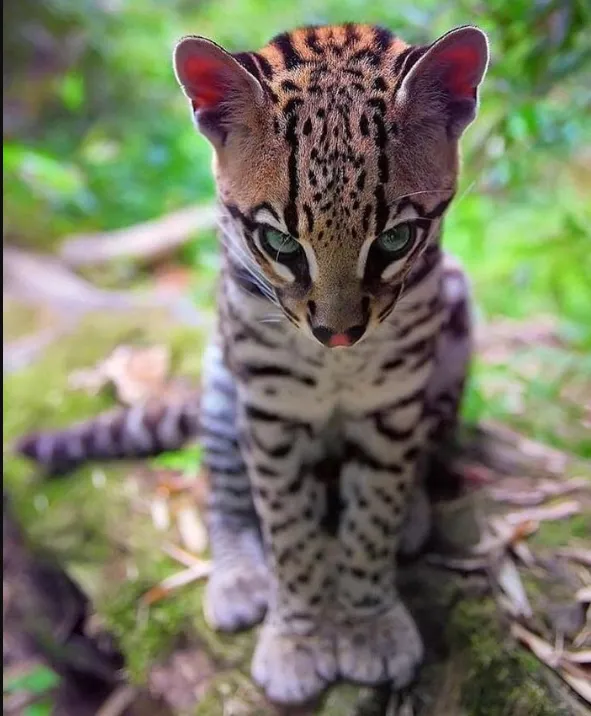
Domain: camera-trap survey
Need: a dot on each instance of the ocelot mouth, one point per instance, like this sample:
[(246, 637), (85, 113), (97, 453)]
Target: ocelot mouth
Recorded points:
[(344, 339), (339, 340)]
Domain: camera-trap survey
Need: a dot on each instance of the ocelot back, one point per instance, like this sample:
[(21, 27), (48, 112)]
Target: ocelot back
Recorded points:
[(343, 336)]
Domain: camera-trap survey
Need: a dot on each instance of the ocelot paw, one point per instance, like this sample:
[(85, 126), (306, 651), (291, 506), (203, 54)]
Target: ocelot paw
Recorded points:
[(236, 595), (386, 647), (417, 524), (293, 668)]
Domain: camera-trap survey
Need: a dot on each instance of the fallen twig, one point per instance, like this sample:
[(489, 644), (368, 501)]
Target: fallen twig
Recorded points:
[(147, 241)]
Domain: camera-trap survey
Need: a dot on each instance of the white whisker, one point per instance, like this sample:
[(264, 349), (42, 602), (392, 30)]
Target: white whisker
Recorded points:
[(245, 260), (416, 193)]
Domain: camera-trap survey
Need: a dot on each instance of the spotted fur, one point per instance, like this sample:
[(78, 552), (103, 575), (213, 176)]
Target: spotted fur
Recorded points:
[(336, 369)]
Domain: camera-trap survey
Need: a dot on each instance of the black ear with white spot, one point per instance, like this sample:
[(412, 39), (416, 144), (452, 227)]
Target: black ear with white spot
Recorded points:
[(446, 78), (223, 94)]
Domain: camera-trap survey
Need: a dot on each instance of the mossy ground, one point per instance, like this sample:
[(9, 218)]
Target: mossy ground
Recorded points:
[(92, 521)]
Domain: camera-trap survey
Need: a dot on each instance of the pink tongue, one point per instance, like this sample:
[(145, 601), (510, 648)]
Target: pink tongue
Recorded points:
[(339, 339)]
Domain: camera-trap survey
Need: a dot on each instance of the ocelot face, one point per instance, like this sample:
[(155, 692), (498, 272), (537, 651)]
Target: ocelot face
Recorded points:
[(336, 155)]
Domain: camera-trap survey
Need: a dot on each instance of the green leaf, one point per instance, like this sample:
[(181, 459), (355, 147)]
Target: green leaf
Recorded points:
[(37, 681)]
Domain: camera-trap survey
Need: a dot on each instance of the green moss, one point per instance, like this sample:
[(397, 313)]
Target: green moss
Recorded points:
[(232, 650), (91, 524), (498, 680), (558, 533), (146, 634), (38, 396), (233, 693), (22, 319)]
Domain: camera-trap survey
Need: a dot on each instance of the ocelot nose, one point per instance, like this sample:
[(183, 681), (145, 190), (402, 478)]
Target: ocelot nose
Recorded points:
[(332, 339)]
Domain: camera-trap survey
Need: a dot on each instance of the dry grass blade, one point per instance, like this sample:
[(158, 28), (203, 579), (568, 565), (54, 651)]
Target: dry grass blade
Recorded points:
[(574, 676), (578, 657), (554, 461), (500, 535), (118, 702), (558, 511), (509, 581), (191, 529), (461, 564), (580, 684), (160, 512), (197, 571), (577, 554), (544, 490), (181, 555)]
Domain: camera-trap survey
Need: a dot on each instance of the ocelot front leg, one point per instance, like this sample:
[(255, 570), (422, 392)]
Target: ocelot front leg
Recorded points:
[(237, 591), (444, 395), (294, 659), (377, 638)]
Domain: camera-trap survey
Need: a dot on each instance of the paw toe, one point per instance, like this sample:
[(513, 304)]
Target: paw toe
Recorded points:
[(236, 599)]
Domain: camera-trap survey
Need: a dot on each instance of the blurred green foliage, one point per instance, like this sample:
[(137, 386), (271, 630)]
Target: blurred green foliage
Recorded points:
[(97, 135), (37, 684)]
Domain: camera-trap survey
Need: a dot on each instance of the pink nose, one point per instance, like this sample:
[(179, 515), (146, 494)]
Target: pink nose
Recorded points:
[(339, 339)]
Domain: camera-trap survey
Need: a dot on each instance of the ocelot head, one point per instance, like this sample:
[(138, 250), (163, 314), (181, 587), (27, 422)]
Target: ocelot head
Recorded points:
[(335, 157)]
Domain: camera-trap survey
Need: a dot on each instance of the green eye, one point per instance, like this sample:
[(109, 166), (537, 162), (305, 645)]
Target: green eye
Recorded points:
[(397, 240), (275, 242)]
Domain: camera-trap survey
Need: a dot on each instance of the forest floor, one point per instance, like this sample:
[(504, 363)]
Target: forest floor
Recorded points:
[(501, 594)]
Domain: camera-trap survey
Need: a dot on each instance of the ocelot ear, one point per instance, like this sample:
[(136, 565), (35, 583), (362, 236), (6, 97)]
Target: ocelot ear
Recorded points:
[(446, 78), (223, 94)]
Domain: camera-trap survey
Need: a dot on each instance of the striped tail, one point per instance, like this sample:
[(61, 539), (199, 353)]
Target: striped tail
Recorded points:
[(138, 431)]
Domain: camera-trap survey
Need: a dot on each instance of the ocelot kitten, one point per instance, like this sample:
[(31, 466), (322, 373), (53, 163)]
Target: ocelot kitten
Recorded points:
[(343, 336)]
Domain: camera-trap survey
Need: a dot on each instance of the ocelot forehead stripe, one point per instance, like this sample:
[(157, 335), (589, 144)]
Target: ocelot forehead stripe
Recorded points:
[(308, 45), (300, 65)]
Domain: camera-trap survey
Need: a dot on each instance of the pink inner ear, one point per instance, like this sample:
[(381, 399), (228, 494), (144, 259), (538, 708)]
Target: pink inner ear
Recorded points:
[(462, 64), (205, 84)]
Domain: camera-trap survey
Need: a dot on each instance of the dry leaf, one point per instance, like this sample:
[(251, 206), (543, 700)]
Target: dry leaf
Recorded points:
[(136, 372)]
